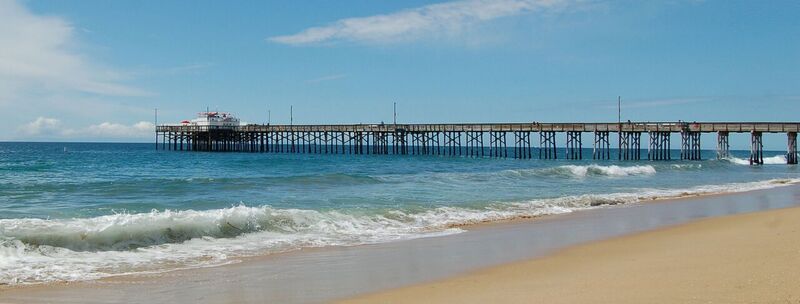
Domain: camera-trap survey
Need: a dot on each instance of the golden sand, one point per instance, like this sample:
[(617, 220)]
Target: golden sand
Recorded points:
[(747, 258)]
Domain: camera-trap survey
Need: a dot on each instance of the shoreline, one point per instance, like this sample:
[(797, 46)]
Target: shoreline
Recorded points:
[(467, 226), (749, 257), (664, 199), (509, 230)]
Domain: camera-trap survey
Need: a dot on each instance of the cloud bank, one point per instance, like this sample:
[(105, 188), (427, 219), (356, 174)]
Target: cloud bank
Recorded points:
[(42, 125), (49, 128), (442, 18)]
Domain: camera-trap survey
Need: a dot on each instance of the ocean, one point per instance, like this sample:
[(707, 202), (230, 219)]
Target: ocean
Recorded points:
[(79, 211)]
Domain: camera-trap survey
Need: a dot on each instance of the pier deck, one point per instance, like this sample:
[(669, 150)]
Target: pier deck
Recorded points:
[(472, 139)]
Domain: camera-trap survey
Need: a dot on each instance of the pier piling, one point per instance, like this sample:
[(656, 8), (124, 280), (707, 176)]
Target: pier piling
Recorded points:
[(547, 145), (723, 146), (659, 146), (522, 145), (497, 143), (475, 143), (791, 155), (690, 145), (452, 142), (469, 139), (630, 145), (574, 146), (756, 149), (602, 146)]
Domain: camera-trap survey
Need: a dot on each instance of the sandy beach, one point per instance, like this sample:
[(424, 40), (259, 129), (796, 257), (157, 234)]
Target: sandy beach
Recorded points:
[(745, 258)]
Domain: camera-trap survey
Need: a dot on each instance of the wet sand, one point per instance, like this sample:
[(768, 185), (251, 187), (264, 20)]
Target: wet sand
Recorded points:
[(746, 258), (322, 275)]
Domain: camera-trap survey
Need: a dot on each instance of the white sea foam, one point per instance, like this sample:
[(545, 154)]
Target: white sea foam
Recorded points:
[(572, 171), (687, 166), (583, 171), (772, 160), (34, 250), (37, 250)]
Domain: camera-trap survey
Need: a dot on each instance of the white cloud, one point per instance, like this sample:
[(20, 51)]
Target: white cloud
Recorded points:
[(447, 18), (326, 78), (41, 126), (115, 130), (53, 128), (38, 54), (45, 72)]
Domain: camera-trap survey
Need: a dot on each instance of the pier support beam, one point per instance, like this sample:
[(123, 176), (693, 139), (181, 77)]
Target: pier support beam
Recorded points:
[(326, 143), (337, 142), (522, 145), (425, 143), (446, 139), (723, 145), (434, 145), (497, 142), (293, 141), (574, 146), (401, 142), (347, 146), (791, 155), (380, 143), (756, 149), (475, 143), (416, 142), (602, 146), (547, 145), (360, 141), (630, 145), (690, 145), (452, 143), (659, 146)]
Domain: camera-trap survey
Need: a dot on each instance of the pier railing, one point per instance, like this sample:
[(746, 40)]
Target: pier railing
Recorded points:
[(473, 139)]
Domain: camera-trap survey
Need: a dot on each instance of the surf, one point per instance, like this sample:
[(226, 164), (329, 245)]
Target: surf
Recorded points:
[(45, 250)]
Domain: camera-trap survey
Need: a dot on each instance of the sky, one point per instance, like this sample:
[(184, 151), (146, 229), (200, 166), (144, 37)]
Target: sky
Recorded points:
[(96, 70)]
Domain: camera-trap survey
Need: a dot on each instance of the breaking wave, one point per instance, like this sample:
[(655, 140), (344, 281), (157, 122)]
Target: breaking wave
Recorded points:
[(581, 171), (687, 166), (41, 250), (772, 160), (598, 170)]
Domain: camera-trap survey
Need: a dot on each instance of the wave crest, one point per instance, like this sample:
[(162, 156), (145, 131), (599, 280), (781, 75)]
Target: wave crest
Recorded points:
[(36, 250), (772, 160), (598, 170)]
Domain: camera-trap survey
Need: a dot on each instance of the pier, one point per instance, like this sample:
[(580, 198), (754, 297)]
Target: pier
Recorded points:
[(476, 139)]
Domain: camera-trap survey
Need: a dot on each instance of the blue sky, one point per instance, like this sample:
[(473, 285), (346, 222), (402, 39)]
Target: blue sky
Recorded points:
[(95, 70)]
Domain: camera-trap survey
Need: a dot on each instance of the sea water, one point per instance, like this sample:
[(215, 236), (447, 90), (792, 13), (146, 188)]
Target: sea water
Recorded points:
[(77, 211)]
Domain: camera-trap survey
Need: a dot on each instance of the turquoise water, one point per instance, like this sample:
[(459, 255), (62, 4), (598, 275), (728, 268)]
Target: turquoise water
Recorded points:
[(72, 211)]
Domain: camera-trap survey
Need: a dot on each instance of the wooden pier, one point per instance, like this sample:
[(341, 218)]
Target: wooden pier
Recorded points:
[(474, 139)]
